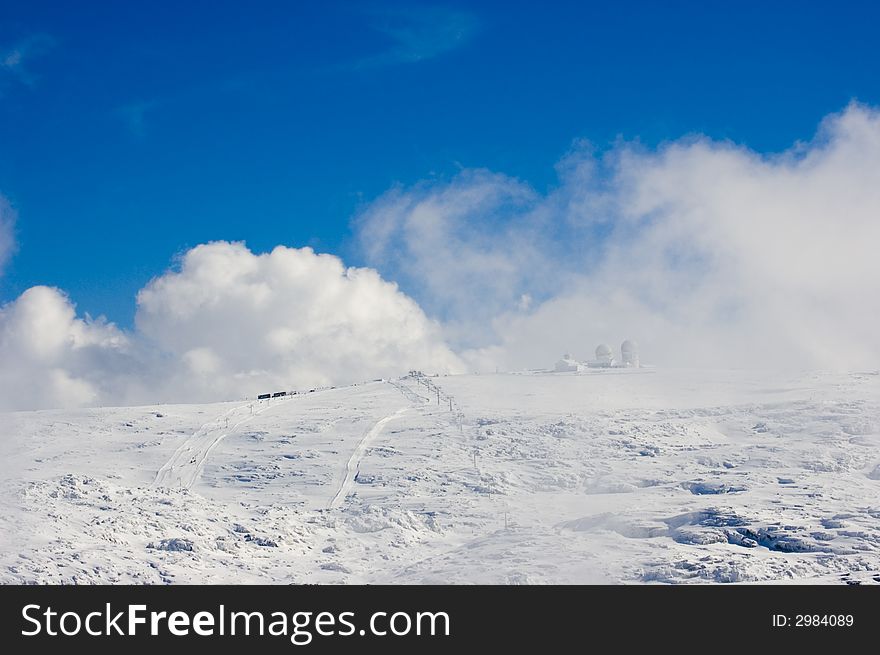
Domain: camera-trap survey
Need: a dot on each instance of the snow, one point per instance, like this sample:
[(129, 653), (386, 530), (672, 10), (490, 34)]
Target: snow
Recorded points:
[(605, 476)]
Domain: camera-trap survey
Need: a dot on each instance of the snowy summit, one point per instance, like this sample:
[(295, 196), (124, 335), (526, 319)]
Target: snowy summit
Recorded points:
[(628, 475)]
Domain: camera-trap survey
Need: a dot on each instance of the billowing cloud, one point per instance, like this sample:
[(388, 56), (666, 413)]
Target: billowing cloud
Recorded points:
[(236, 322), (51, 358), (227, 324), (471, 249), (705, 251)]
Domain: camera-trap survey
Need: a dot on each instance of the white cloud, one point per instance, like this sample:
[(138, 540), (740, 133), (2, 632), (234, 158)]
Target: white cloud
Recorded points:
[(470, 249), (7, 234), (14, 59), (416, 33), (706, 252), (51, 358), (227, 324), (235, 322)]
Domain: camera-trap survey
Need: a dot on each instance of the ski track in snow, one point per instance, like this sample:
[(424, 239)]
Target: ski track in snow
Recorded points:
[(187, 463), (353, 462)]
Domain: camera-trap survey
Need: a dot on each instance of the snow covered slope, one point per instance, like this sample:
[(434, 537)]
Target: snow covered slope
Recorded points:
[(609, 476)]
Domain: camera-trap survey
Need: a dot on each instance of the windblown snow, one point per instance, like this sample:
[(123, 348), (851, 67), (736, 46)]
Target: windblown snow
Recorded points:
[(612, 476)]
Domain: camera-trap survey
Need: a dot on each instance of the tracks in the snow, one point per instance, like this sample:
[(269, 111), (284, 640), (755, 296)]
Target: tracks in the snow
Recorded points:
[(349, 472), (185, 466), (187, 462), (352, 464)]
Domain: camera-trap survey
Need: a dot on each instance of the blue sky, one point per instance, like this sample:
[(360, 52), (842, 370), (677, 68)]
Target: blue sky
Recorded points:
[(130, 132)]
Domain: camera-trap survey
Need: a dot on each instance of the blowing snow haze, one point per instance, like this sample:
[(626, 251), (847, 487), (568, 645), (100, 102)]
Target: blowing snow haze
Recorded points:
[(708, 253)]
